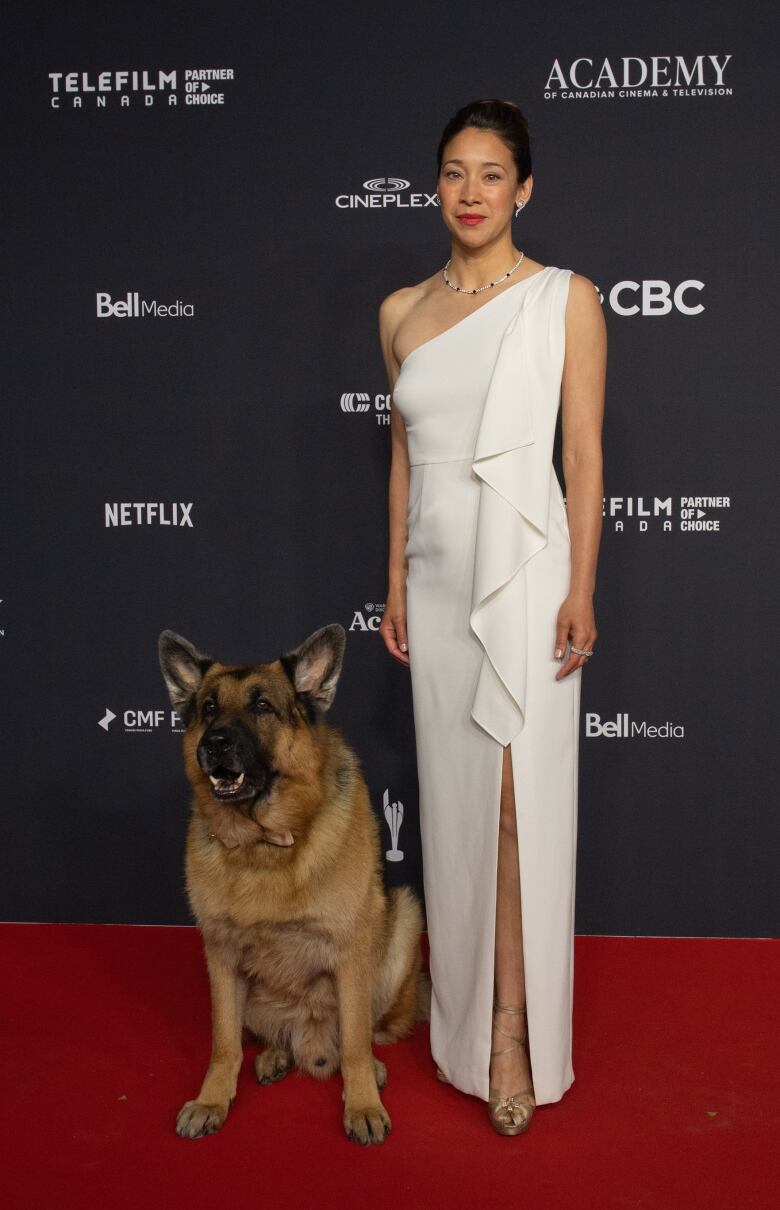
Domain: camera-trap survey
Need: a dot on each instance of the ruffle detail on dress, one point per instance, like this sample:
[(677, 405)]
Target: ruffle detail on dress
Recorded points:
[(513, 460)]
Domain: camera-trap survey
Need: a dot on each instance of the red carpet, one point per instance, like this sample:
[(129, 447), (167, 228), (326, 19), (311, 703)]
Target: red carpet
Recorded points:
[(105, 1033)]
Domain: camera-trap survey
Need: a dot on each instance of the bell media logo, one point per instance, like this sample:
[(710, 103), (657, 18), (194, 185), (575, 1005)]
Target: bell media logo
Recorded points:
[(132, 306), (624, 727)]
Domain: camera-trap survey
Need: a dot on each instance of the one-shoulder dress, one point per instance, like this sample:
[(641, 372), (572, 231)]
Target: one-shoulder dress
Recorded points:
[(489, 561)]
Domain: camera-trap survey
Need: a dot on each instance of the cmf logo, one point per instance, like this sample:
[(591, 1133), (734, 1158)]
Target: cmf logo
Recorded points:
[(355, 401)]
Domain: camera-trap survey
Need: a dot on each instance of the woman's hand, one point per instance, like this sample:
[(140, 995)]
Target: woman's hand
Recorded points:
[(576, 621), (393, 626)]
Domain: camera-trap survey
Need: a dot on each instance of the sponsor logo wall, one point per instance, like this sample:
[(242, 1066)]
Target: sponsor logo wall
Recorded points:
[(219, 465)]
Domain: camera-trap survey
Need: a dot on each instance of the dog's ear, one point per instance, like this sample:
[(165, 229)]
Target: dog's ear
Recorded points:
[(182, 666), (314, 667)]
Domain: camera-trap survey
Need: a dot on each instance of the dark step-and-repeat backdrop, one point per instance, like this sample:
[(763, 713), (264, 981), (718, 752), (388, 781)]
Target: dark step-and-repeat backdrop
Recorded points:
[(205, 206)]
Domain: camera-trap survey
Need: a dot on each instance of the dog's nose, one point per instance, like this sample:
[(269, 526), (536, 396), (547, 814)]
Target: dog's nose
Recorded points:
[(218, 742)]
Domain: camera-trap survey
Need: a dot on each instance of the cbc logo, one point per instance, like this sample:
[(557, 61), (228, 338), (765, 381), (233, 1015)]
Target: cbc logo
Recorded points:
[(654, 297)]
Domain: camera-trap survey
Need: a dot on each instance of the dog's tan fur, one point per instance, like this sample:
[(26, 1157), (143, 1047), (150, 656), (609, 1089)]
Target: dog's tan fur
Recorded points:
[(305, 949)]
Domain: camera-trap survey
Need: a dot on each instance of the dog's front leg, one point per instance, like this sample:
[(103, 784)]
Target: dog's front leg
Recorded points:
[(228, 999), (365, 1118)]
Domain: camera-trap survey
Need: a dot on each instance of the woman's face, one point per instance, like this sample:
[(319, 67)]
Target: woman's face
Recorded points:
[(478, 178)]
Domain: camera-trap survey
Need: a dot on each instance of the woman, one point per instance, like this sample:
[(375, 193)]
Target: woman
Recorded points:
[(490, 606)]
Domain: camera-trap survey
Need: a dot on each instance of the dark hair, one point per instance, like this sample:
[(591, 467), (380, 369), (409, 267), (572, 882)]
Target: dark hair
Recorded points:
[(504, 118)]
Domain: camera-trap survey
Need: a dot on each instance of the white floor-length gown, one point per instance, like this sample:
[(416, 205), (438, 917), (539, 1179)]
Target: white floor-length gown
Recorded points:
[(489, 559)]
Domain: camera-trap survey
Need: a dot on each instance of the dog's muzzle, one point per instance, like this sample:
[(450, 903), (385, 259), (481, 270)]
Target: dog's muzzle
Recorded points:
[(230, 761)]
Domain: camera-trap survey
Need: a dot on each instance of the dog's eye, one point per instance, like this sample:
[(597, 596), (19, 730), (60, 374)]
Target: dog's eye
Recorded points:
[(261, 706), (209, 707)]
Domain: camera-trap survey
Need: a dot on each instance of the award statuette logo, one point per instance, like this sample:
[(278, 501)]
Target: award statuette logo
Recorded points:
[(394, 814)]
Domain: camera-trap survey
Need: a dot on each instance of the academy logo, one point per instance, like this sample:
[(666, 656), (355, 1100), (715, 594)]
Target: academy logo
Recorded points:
[(631, 77), (394, 814)]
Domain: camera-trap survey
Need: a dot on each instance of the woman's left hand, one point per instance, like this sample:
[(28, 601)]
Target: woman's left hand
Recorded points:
[(576, 621)]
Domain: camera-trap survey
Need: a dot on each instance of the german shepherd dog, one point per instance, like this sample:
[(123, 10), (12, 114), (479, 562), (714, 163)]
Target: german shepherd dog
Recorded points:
[(305, 948)]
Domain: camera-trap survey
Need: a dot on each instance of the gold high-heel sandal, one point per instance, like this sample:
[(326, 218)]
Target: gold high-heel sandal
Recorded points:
[(511, 1115)]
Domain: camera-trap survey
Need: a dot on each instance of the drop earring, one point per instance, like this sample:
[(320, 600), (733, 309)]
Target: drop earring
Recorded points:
[(519, 208)]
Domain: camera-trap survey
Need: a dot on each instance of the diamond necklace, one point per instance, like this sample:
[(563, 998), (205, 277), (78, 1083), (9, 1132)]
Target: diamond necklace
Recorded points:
[(462, 290)]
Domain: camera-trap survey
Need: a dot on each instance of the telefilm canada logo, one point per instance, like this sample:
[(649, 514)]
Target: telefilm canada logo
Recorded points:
[(357, 402), (634, 77), (148, 512), (386, 193), (193, 87), (680, 514), (368, 618), (624, 727), (132, 306)]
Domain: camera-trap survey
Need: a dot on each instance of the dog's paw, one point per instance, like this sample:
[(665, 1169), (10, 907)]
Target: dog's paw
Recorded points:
[(196, 1119), (272, 1065), (369, 1125)]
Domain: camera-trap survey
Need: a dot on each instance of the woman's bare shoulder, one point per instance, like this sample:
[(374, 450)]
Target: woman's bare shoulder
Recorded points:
[(582, 291), (395, 309), (395, 306)]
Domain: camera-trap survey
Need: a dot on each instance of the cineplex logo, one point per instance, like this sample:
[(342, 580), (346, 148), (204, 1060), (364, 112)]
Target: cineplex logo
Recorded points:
[(141, 87), (132, 306), (632, 76), (353, 402), (686, 514), (148, 513), (386, 193), (368, 618), (146, 721), (625, 728)]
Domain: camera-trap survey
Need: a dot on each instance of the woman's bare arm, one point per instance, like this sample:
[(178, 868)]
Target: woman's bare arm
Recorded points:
[(393, 626), (582, 395)]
